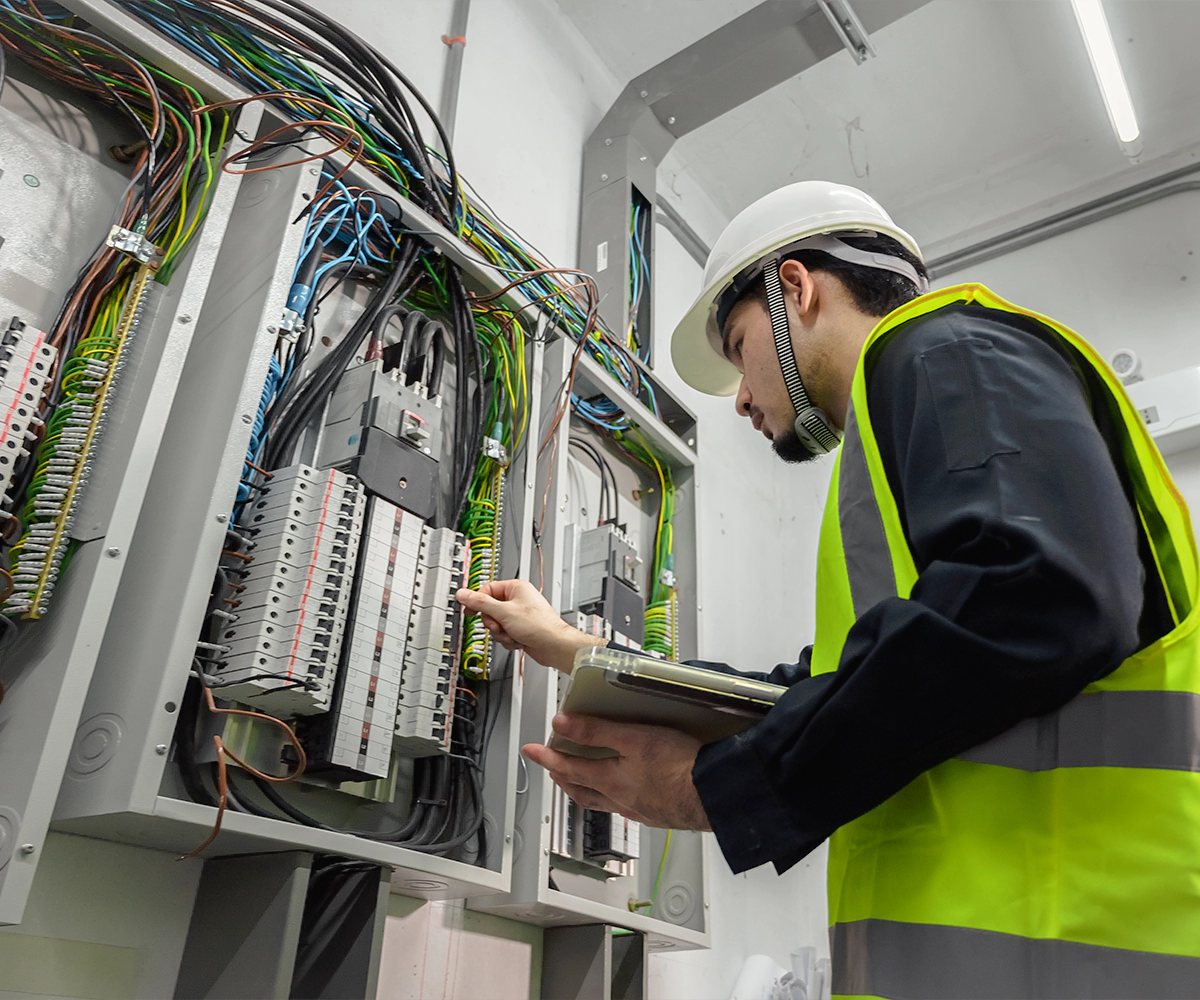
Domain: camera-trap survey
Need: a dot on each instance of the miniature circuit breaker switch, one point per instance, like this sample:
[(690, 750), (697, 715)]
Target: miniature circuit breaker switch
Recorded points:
[(281, 651), (425, 712), (358, 735)]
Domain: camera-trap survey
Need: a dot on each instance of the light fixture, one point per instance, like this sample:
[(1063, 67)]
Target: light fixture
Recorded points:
[(1097, 37)]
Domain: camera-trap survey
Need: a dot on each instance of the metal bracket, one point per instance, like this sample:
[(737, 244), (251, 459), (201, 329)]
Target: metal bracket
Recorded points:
[(848, 28)]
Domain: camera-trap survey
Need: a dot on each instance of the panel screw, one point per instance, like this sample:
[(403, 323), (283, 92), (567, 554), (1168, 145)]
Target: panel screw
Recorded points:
[(645, 93), (545, 819), (27, 848), (114, 551), (222, 518), (185, 318), (529, 486), (272, 329), (314, 171), (247, 419), (671, 120), (31, 180), (608, 142), (161, 749), (604, 177), (508, 838), (546, 851), (427, 451)]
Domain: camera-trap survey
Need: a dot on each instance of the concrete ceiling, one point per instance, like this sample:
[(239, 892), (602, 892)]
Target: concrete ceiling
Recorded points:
[(974, 110)]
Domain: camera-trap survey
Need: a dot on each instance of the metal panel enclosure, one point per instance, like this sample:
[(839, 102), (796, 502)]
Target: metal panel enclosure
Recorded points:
[(52, 145)]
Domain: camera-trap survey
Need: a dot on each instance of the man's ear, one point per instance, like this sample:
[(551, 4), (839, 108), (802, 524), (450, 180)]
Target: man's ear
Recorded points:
[(797, 281)]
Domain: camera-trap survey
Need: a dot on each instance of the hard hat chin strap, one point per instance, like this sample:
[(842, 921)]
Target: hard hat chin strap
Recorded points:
[(813, 427)]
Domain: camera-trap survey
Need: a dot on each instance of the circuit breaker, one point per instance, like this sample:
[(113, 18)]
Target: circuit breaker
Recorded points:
[(600, 578), (388, 434)]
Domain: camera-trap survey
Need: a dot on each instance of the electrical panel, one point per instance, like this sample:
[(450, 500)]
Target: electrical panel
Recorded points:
[(256, 439), (621, 515)]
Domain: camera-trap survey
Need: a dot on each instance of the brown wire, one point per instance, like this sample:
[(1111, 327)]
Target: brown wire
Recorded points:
[(222, 772)]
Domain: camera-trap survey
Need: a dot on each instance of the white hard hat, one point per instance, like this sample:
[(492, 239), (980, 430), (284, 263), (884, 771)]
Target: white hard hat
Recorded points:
[(779, 219)]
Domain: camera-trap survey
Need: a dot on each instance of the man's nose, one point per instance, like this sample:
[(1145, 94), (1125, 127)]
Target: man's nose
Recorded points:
[(742, 400)]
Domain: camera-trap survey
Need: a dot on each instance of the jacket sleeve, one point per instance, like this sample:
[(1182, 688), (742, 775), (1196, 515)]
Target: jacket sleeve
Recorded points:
[(1029, 588)]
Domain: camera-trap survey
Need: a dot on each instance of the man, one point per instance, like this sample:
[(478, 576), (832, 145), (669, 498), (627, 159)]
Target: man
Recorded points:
[(997, 724)]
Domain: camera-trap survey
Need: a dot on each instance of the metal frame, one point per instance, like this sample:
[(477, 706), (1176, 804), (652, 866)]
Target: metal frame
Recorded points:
[(749, 55)]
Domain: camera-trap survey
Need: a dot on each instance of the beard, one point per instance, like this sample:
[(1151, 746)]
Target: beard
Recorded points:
[(791, 449)]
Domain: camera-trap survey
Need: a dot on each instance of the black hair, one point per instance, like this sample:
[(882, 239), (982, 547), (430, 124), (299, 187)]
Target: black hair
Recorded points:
[(875, 292)]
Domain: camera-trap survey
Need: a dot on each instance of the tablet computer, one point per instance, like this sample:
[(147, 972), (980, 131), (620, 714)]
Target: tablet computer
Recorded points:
[(625, 687)]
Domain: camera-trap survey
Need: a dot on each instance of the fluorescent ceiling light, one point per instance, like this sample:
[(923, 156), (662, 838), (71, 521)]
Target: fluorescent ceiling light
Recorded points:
[(1107, 67)]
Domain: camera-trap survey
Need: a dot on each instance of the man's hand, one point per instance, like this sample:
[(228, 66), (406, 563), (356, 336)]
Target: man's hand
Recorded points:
[(651, 780), (519, 617)]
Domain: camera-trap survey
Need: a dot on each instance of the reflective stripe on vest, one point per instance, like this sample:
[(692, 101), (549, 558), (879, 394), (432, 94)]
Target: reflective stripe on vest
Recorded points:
[(932, 962), (1063, 857)]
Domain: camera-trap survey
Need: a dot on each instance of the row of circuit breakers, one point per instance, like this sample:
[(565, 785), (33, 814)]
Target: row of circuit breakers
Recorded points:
[(339, 607), (601, 597)]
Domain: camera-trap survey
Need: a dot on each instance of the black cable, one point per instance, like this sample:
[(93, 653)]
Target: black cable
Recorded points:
[(438, 350), (302, 401), (185, 745), (604, 469)]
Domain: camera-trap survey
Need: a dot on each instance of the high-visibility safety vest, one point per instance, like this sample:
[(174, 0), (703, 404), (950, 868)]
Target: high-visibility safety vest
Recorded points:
[(1061, 859)]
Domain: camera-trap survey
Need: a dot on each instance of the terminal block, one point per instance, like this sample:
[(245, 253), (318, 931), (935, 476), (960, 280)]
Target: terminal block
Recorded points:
[(26, 361), (609, 836), (426, 704), (357, 737), (281, 652), (586, 842)]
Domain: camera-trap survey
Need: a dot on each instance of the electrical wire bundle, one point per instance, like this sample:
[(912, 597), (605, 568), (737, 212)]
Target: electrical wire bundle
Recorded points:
[(283, 49), (638, 340), (608, 500), (173, 168), (346, 237)]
